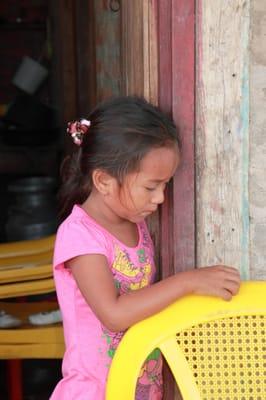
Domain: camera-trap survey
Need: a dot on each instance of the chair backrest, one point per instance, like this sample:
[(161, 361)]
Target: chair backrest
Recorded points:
[(27, 252), (26, 281), (25, 267), (215, 349)]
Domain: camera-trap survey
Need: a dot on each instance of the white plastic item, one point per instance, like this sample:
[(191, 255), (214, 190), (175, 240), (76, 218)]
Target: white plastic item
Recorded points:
[(8, 321), (45, 318), (30, 75)]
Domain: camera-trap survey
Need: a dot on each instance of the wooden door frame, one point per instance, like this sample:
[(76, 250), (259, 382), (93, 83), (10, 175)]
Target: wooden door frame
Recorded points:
[(158, 47), (176, 96)]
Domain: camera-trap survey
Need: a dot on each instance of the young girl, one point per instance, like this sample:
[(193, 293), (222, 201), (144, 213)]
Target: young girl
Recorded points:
[(103, 261)]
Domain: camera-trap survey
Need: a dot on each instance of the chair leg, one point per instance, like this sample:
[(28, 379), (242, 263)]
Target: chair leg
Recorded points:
[(14, 380)]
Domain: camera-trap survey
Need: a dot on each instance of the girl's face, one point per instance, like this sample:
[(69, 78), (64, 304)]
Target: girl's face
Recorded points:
[(142, 191)]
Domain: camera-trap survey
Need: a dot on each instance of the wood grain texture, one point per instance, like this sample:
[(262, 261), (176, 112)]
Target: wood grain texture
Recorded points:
[(165, 103), (132, 47), (107, 50), (140, 67), (176, 97), (222, 129), (150, 50), (257, 170), (158, 62), (183, 19), (166, 210), (62, 21)]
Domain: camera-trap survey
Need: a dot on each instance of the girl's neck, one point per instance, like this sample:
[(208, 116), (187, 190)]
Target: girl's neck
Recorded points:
[(98, 210), (124, 230)]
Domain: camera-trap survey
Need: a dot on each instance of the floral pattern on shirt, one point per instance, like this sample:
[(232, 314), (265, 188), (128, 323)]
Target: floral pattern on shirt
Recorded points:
[(129, 276)]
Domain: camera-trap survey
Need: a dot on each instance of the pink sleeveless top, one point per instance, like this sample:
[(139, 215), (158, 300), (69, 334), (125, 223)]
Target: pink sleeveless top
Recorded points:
[(90, 346)]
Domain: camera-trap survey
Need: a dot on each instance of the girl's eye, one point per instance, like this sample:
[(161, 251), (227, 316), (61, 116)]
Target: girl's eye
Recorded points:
[(150, 189)]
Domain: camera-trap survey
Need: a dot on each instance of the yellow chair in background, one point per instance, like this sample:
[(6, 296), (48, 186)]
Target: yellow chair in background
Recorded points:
[(215, 349), (25, 270), (30, 341), (26, 252)]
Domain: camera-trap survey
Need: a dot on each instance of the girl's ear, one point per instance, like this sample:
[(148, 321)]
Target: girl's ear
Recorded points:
[(102, 181)]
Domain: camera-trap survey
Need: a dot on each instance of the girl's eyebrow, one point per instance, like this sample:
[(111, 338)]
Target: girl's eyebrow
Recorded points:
[(158, 180)]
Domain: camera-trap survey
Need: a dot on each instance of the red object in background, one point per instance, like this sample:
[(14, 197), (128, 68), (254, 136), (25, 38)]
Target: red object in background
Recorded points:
[(14, 374)]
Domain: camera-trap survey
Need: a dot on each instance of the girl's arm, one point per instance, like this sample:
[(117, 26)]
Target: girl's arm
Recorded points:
[(118, 312)]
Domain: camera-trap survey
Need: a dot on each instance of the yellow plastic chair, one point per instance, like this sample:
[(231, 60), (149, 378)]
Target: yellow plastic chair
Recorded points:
[(30, 341), (25, 270), (215, 349), (26, 253)]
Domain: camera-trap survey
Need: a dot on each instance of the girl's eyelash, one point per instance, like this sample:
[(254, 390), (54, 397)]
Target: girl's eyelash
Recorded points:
[(154, 188)]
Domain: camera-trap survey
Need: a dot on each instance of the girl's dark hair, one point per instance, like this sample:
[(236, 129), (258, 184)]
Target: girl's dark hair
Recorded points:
[(122, 131)]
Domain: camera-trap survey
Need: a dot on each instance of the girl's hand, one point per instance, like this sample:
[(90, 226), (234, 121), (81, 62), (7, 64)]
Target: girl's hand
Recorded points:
[(218, 280)]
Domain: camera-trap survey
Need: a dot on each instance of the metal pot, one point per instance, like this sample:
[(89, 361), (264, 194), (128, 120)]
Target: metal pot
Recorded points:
[(32, 211)]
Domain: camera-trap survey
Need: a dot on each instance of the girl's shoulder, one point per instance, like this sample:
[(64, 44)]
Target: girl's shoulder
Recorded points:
[(77, 235), (79, 222)]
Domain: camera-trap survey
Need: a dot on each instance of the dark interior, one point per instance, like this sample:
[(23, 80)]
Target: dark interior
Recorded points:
[(34, 109)]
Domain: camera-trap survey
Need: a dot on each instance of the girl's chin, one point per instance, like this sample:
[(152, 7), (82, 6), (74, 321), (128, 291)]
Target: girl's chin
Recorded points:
[(139, 217)]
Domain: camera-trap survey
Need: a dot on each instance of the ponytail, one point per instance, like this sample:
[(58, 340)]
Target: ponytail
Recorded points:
[(73, 189)]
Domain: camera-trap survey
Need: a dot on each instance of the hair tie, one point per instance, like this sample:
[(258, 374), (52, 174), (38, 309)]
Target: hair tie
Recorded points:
[(77, 130)]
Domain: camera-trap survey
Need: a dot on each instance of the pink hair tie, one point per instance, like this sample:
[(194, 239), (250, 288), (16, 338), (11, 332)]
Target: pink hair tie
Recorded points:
[(77, 130)]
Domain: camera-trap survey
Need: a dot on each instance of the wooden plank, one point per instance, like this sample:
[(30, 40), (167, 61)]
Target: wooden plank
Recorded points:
[(85, 56), (140, 49), (183, 113), (165, 103), (166, 212), (183, 42), (62, 15), (257, 170), (156, 63), (222, 134), (165, 56), (107, 50), (140, 67), (150, 91), (176, 89), (150, 50), (132, 47), (63, 29)]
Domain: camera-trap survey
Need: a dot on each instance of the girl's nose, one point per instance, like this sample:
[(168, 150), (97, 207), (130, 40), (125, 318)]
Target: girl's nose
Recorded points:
[(158, 196)]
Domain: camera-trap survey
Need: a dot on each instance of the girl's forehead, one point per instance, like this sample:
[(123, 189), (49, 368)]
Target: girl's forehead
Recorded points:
[(160, 163)]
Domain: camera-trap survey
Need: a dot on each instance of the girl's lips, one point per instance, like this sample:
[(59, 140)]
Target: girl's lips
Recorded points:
[(148, 212)]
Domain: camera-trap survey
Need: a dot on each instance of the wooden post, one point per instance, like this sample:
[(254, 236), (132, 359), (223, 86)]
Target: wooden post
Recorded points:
[(183, 66), (158, 62), (257, 169), (222, 134)]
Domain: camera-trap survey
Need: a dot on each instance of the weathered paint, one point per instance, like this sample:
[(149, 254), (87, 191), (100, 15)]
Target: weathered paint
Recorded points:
[(183, 39), (257, 170), (155, 70), (222, 134), (244, 131), (165, 103)]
